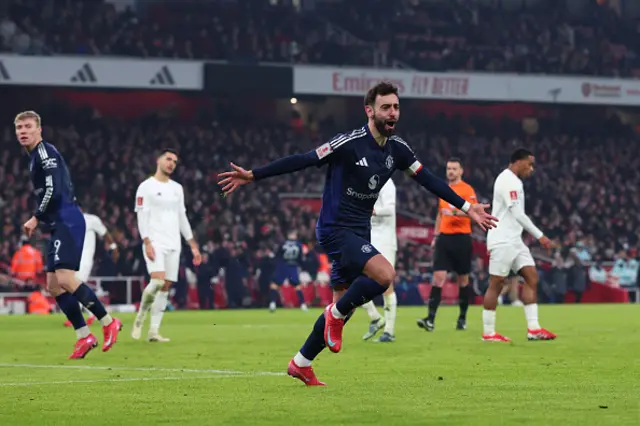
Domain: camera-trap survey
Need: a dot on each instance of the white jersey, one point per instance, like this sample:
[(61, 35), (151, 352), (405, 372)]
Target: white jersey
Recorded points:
[(94, 227), (508, 207), (162, 215), (383, 223)]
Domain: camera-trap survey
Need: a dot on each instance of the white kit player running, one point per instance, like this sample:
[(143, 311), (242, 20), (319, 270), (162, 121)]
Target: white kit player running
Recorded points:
[(94, 229), (507, 251), (383, 238), (162, 217)]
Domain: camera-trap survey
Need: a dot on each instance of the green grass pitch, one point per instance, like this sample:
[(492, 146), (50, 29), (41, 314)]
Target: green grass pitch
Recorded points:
[(227, 367)]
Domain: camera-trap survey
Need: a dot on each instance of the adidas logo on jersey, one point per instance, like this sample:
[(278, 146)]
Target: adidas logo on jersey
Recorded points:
[(363, 162), (84, 75)]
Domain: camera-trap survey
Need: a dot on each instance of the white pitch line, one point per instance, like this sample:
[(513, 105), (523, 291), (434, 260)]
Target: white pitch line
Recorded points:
[(131, 379), (146, 369)]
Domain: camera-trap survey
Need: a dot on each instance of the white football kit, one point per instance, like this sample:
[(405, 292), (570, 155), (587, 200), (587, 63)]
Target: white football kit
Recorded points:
[(383, 223), (94, 228), (506, 249), (162, 217)]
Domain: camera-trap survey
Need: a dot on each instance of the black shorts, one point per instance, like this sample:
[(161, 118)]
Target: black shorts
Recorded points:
[(453, 253)]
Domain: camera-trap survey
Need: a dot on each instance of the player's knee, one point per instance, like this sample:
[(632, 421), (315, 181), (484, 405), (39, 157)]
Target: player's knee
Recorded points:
[(439, 277), (386, 277)]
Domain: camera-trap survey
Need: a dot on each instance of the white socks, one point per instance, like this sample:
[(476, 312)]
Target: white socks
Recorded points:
[(373, 313), (531, 313), (106, 320), (489, 322), (390, 306), (83, 332), (157, 311), (148, 295), (301, 361), (336, 313)]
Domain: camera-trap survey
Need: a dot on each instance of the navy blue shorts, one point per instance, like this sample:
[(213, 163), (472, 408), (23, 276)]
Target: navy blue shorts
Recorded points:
[(65, 246), (348, 251), (287, 272)]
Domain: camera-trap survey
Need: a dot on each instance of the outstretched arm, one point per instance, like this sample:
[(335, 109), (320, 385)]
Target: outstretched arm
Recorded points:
[(285, 165), (433, 184), (230, 181), (408, 162)]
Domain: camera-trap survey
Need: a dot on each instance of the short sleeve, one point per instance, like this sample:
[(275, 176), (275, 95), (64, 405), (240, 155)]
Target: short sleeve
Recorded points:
[(142, 201)]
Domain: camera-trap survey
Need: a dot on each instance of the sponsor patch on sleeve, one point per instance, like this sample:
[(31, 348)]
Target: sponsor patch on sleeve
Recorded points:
[(139, 201), (513, 195), (324, 150)]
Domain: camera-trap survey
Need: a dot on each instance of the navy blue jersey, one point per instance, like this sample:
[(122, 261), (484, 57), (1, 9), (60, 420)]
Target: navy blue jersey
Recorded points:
[(358, 169), (291, 253), (52, 185)]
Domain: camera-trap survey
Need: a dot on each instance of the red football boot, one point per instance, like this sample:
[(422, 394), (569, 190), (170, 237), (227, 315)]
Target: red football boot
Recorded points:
[(91, 320), (83, 346), (540, 334), (495, 337), (111, 334), (304, 374), (67, 323), (333, 330)]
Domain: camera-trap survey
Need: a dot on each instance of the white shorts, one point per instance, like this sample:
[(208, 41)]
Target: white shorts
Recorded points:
[(504, 259), (389, 253), (167, 261), (84, 272)]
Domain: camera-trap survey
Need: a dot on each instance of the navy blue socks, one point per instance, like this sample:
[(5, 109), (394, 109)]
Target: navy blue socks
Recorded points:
[(69, 305), (88, 298), (360, 292)]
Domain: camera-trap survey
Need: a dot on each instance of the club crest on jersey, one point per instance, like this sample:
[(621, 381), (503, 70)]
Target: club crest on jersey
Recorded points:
[(389, 162), (367, 248), (513, 195), (373, 182)]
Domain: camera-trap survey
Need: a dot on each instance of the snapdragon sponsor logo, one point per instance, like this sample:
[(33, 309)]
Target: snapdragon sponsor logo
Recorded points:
[(360, 196)]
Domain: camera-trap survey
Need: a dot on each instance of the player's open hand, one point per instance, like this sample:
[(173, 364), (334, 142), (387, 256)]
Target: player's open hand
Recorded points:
[(478, 213), (30, 226), (230, 181), (151, 253), (197, 257), (546, 243)]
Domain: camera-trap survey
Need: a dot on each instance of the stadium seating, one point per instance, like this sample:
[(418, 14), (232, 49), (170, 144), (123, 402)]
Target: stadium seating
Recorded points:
[(426, 35)]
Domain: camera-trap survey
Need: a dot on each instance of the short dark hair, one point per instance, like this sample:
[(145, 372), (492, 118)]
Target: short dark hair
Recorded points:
[(383, 88), (164, 151), (520, 154), (455, 160)]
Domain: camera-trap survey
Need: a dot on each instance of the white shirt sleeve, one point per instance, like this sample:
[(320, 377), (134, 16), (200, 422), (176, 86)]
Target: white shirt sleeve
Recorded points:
[(98, 226), (513, 196), (142, 210), (386, 203), (185, 226)]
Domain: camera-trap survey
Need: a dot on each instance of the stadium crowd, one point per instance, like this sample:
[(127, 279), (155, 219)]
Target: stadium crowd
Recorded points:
[(582, 195), (451, 35)]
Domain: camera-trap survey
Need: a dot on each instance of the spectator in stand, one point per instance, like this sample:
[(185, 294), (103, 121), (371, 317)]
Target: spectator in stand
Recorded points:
[(539, 37), (597, 273), (26, 264)]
